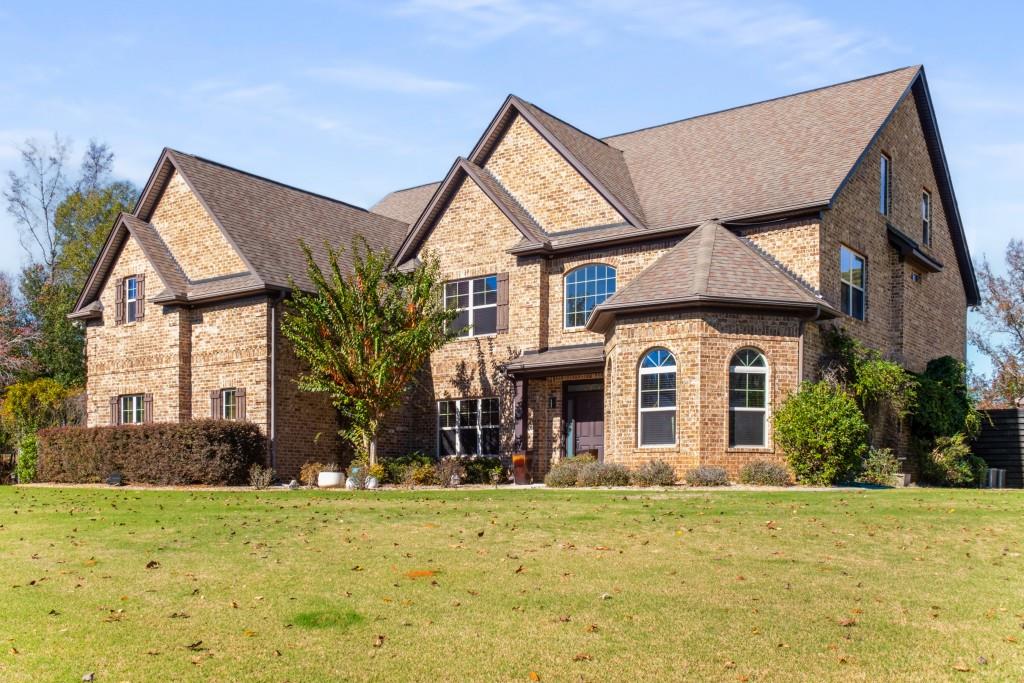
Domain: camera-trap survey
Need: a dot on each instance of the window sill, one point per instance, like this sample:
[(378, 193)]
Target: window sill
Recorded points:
[(750, 449), (476, 336)]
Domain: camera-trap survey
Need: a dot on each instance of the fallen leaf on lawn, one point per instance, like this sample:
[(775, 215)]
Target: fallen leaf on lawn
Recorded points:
[(606, 596), (89, 677), (179, 615), (847, 622), (419, 573), (520, 569), (592, 628), (152, 564), (601, 547), (248, 633), (152, 652), (277, 653), (234, 605), (565, 618), (194, 646), (960, 666), (729, 664), (357, 568), (14, 650), (582, 657), (534, 676), (378, 641)]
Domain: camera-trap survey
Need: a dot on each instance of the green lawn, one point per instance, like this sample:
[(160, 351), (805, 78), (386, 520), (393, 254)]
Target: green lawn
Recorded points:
[(511, 585)]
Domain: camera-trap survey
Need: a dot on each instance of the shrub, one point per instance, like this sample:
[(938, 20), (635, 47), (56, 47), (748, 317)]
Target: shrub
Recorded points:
[(397, 470), (602, 474), (653, 473), (260, 477), (358, 471), (28, 457), (420, 475), (481, 469), (951, 463), (449, 471), (566, 472), (310, 472), (707, 475), (764, 473), (212, 452), (880, 467), (823, 433), (377, 472)]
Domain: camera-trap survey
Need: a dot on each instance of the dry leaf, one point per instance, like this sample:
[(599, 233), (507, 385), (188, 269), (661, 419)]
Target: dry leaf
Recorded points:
[(152, 564), (582, 657), (534, 676), (378, 641), (960, 666)]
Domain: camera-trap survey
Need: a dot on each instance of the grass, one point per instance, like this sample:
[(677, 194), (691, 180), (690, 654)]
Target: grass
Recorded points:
[(507, 585)]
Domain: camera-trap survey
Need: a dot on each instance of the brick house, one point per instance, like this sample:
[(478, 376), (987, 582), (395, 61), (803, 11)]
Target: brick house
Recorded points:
[(654, 294), (647, 295)]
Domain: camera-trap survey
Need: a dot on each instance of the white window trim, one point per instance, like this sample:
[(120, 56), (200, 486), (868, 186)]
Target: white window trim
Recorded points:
[(479, 427), (135, 405), (128, 300), (885, 185), (565, 295), (640, 410), (863, 288), (472, 334), (224, 404), (752, 370), (926, 217)]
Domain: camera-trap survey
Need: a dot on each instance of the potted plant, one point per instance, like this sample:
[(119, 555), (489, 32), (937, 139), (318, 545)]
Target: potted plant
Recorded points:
[(330, 477)]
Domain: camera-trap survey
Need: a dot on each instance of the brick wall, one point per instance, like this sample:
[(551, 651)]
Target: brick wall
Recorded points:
[(554, 193), (194, 239), (926, 319)]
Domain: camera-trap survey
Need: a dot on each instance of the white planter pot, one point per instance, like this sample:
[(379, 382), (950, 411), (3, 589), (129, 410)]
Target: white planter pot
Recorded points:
[(371, 482), (330, 480)]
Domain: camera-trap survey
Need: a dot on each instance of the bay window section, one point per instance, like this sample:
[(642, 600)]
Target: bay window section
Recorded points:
[(748, 399), (657, 394)]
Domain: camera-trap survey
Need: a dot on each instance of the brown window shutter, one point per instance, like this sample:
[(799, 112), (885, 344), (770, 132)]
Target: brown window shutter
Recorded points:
[(502, 303), (140, 294), (119, 301), (115, 411), (215, 404), (147, 405), (240, 403)]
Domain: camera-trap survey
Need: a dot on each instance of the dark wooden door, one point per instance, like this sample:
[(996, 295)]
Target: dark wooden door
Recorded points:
[(585, 421)]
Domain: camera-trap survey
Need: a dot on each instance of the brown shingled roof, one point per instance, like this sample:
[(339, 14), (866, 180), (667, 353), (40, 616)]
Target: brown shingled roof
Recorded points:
[(559, 358), (710, 267), (405, 205)]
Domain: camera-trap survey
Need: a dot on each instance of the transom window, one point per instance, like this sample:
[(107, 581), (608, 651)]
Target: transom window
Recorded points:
[(852, 276), (657, 390), (131, 299), (133, 409), (926, 217), (885, 186), (585, 288), (229, 404), (468, 427), (477, 304), (748, 399)]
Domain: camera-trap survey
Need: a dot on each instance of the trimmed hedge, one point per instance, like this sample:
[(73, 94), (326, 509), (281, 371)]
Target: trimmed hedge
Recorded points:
[(211, 452)]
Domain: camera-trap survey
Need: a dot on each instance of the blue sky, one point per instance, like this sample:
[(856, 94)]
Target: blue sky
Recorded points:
[(356, 99)]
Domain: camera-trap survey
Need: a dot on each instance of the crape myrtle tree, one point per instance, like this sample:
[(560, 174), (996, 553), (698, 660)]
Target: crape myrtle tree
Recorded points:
[(999, 332), (364, 333)]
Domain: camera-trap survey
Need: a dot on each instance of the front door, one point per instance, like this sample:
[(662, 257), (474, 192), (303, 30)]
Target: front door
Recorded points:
[(584, 419)]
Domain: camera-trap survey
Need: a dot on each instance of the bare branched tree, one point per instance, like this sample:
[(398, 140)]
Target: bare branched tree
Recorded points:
[(34, 195)]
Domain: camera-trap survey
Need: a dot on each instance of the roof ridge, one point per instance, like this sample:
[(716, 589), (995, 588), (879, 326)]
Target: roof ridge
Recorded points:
[(286, 186), (564, 122), (515, 200), (759, 102), (705, 256)]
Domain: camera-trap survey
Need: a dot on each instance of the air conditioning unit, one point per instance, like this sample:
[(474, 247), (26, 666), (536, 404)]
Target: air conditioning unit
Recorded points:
[(996, 478)]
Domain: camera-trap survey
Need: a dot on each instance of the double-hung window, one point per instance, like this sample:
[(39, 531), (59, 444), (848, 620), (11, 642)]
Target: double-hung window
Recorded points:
[(586, 288), (657, 398), (131, 299), (926, 217), (468, 427), (748, 399), (476, 303), (229, 404), (133, 409), (885, 185), (854, 282)]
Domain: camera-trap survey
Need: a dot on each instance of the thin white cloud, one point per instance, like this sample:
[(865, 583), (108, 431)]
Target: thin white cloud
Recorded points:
[(461, 23), (369, 77)]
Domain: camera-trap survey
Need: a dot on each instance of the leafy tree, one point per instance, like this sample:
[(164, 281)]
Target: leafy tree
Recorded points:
[(16, 335), (999, 334), (28, 407), (365, 334)]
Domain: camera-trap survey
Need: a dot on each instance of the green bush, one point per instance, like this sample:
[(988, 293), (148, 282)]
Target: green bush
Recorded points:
[(566, 472), (880, 467), (944, 404), (707, 475), (28, 457), (212, 452), (951, 463), (764, 473), (653, 473), (823, 434), (482, 469), (602, 474), (398, 470)]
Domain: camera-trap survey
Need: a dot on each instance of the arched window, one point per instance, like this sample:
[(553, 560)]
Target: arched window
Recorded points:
[(585, 288), (657, 389), (748, 399)]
